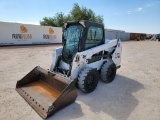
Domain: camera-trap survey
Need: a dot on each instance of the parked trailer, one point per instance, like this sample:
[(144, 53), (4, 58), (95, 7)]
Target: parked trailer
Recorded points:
[(25, 34), (116, 34), (137, 36)]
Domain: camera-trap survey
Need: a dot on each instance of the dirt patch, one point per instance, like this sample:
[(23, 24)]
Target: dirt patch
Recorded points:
[(134, 94)]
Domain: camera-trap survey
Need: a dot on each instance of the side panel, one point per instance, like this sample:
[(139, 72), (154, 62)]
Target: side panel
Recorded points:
[(80, 59), (57, 52), (116, 56), (97, 64)]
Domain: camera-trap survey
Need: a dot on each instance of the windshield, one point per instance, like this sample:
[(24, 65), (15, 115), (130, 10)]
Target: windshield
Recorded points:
[(72, 36)]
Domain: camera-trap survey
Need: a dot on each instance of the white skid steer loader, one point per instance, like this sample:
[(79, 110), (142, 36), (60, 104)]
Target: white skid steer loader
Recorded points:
[(84, 58)]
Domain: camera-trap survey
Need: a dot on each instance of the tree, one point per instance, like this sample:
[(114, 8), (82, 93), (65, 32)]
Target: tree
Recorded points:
[(56, 21), (77, 13), (83, 13)]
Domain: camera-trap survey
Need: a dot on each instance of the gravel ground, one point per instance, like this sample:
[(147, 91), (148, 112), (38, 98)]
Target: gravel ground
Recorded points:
[(133, 95)]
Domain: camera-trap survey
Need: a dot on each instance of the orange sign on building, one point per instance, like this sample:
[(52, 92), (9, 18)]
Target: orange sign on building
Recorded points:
[(51, 31), (22, 36), (49, 36), (23, 29)]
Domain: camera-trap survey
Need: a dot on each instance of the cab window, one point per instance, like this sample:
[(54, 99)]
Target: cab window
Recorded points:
[(94, 37)]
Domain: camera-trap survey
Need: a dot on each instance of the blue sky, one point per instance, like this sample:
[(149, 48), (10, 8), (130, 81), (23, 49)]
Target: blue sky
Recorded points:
[(129, 15)]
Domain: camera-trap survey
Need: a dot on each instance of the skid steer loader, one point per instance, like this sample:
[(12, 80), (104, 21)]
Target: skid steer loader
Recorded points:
[(84, 58)]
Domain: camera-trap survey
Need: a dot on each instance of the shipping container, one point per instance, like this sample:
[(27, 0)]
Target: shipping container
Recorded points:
[(116, 34), (25, 34), (138, 36)]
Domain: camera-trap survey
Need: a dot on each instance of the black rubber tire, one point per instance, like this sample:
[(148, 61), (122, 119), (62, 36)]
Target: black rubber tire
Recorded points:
[(108, 72), (88, 79)]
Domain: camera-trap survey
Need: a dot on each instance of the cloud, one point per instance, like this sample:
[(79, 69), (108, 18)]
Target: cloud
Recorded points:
[(129, 12), (139, 9), (144, 7), (25, 22), (135, 10), (149, 5)]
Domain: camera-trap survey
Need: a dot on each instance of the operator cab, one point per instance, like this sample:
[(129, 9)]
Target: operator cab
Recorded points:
[(79, 36)]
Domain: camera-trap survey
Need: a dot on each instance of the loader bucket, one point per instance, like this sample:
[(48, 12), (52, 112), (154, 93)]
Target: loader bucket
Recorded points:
[(46, 91)]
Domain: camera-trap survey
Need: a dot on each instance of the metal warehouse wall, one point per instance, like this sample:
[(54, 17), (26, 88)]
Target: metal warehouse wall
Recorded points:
[(17, 34), (116, 34)]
